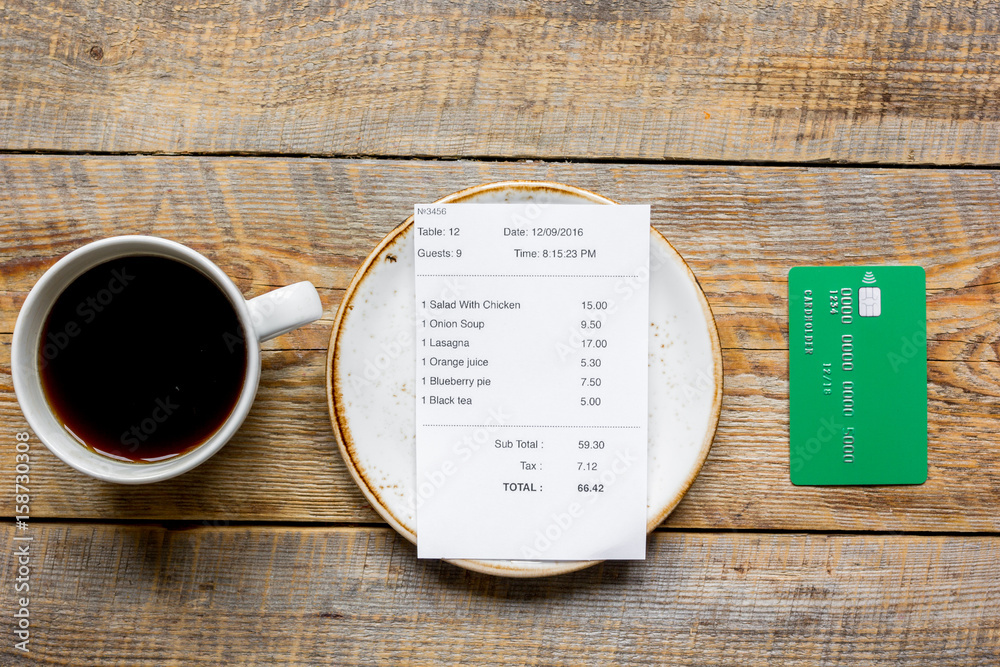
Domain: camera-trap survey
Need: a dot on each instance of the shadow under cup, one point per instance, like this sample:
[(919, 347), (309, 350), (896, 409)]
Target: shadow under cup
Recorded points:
[(142, 358)]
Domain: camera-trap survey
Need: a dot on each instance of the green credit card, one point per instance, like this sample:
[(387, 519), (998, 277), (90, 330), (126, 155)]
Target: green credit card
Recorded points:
[(857, 339)]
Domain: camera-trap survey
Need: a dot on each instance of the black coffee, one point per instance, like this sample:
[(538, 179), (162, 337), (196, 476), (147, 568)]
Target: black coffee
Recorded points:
[(142, 358)]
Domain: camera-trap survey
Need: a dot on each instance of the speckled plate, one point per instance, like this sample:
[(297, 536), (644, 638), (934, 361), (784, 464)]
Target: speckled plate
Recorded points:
[(371, 374)]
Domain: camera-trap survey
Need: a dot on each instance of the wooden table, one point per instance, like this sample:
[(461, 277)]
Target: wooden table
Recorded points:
[(284, 140)]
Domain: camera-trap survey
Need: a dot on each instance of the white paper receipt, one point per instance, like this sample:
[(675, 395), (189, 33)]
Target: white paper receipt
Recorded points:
[(532, 383)]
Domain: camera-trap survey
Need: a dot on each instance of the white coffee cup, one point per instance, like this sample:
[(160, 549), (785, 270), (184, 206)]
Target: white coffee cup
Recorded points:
[(266, 316)]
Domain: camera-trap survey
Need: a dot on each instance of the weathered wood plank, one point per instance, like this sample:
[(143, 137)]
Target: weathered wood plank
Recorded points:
[(274, 221), (240, 595), (855, 81)]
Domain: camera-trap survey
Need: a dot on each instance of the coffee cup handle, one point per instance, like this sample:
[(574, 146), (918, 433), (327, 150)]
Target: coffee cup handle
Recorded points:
[(284, 309)]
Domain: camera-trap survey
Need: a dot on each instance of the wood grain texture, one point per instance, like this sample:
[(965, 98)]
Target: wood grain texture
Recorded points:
[(821, 80), (270, 222), (359, 596)]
